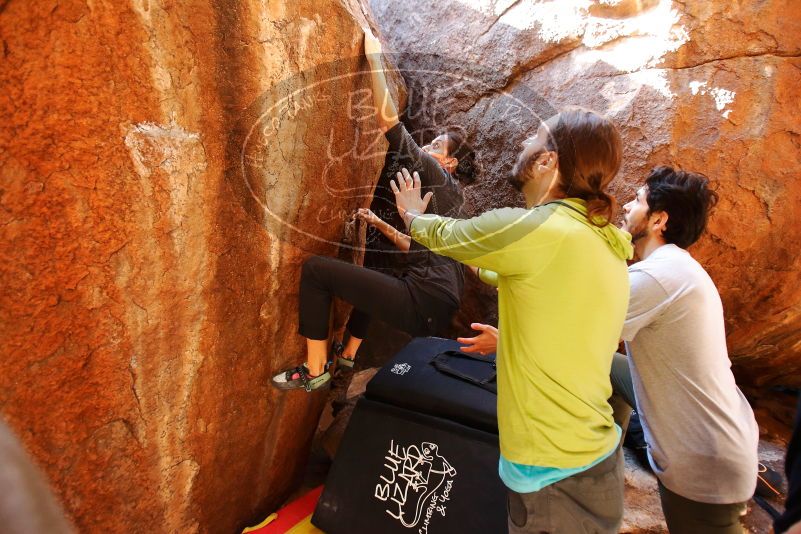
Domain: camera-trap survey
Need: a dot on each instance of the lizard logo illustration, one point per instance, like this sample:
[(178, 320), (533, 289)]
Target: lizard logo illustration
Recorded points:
[(417, 483)]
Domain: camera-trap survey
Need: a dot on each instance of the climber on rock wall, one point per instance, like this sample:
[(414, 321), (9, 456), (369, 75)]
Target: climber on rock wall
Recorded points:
[(407, 287), (560, 269), (701, 433)]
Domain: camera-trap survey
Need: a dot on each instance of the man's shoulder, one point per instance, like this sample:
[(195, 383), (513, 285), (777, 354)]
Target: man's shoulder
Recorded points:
[(674, 269), (666, 261)]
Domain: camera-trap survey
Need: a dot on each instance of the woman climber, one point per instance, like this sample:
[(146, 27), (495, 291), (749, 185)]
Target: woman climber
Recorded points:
[(409, 288)]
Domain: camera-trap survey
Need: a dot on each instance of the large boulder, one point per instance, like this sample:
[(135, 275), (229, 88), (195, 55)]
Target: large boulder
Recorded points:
[(165, 168), (710, 86)]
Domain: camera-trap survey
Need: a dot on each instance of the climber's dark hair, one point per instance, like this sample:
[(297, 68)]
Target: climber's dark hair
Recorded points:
[(467, 169), (686, 197)]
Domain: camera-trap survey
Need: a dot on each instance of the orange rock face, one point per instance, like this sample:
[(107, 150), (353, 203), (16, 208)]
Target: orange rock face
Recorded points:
[(709, 86), (165, 168)]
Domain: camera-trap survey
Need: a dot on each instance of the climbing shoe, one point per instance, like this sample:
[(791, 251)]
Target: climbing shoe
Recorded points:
[(299, 378), (343, 363)]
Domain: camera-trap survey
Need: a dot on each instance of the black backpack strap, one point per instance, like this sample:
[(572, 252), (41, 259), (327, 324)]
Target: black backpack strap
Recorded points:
[(464, 355), (442, 363)]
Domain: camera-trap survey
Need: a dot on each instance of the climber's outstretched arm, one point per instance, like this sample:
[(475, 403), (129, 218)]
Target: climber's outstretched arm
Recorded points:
[(382, 100), (399, 239)]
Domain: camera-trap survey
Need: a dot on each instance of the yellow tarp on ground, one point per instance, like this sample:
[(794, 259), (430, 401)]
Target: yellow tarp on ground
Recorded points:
[(304, 527), (294, 518)]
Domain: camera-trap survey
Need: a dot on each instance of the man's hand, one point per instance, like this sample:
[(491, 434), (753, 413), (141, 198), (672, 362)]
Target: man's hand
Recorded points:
[(367, 215), (372, 46), (484, 343), (407, 196)]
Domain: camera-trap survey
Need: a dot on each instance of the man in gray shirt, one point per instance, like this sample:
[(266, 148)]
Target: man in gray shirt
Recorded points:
[(700, 430)]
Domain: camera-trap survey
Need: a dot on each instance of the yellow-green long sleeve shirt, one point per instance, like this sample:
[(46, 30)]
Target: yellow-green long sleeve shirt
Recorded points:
[(562, 294)]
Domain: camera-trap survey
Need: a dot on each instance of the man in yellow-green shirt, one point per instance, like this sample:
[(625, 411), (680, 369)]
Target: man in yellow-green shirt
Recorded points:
[(562, 285)]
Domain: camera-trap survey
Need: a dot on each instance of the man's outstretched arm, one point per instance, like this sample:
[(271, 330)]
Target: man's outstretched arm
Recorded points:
[(494, 240)]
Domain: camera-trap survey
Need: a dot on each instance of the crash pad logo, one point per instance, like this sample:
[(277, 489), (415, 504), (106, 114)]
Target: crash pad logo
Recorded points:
[(401, 368), (416, 484)]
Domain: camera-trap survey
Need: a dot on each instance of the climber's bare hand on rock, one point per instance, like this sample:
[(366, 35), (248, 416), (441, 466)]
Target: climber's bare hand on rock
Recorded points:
[(367, 215), (407, 196), (372, 46), (484, 343)]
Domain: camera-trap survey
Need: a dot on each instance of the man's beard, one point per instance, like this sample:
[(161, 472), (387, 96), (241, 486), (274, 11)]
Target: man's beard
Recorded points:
[(639, 231)]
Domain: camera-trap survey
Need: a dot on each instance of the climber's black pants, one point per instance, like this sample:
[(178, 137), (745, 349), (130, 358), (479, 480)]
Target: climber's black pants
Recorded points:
[(372, 294)]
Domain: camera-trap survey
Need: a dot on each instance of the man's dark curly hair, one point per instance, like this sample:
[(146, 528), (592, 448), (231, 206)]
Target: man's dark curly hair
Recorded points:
[(686, 197)]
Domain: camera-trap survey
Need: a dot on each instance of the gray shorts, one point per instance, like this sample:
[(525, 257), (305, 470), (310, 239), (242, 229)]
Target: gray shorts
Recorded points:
[(692, 517), (590, 502)]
